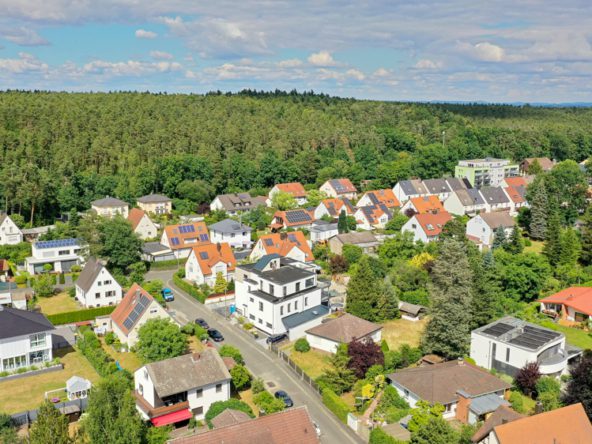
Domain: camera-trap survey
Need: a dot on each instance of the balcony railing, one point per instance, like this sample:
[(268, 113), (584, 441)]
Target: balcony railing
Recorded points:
[(154, 412)]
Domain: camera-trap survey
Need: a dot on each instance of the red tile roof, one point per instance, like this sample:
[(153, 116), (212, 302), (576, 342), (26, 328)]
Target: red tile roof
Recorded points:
[(427, 204), (516, 181), (346, 186), (386, 196), (294, 188), (127, 305), (514, 195), (282, 243), (187, 235), (432, 224), (578, 298), (135, 216), (210, 254), (338, 205)]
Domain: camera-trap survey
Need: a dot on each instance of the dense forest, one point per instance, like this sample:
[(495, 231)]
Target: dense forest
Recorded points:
[(59, 151)]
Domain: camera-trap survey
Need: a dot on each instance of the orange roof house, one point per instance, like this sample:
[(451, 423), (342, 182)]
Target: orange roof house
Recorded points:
[(294, 188), (185, 236), (424, 204), (333, 207), (572, 304), (426, 227), (292, 244), (516, 181), (386, 197), (515, 196), (142, 224), (292, 218), (339, 188), (206, 261)]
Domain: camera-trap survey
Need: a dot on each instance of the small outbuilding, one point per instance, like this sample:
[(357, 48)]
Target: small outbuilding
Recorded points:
[(342, 330), (412, 312), (77, 388)]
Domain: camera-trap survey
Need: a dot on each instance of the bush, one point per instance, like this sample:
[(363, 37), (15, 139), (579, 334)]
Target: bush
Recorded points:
[(379, 436), (72, 292), (232, 352), (384, 346), (219, 406), (188, 329), (188, 288), (527, 377), (267, 403), (548, 384), (62, 279), (76, 268), (302, 345), (516, 402), (336, 404), (110, 338), (161, 265), (241, 378), (20, 279), (90, 347), (248, 326), (549, 401), (70, 317), (257, 386)]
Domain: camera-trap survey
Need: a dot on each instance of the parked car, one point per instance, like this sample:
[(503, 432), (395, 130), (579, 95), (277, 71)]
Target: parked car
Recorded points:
[(202, 323), (215, 335), (317, 429), (280, 394), (273, 339), (168, 294)]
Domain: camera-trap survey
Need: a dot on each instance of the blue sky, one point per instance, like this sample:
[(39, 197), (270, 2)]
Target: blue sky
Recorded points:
[(501, 51)]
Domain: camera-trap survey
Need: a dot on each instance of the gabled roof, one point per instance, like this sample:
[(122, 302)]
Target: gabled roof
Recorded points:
[(108, 202), (578, 298), (514, 195), (282, 243), (455, 183), (89, 274), (342, 186), (427, 204), (294, 218), (294, 188), (334, 206), (437, 186), (469, 197), (357, 238), (344, 329), (565, 425), (14, 322), (321, 226), (240, 201), (432, 224), (372, 213), (210, 254), (515, 181), (135, 216), (386, 197), (441, 382), (502, 415), (496, 219), (187, 235), (135, 302), (229, 226), (154, 198), (494, 195), (545, 163), (229, 417)]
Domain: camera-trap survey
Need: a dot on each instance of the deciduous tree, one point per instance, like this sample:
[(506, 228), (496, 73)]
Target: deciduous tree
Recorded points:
[(363, 354), (527, 377), (160, 339), (50, 426), (579, 387)]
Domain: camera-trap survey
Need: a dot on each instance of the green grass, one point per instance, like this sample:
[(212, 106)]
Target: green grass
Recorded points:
[(313, 362), (536, 247), (60, 303), (128, 360), (574, 336), (401, 331)]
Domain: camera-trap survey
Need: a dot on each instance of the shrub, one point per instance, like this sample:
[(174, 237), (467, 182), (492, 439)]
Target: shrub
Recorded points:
[(248, 326), (72, 292), (232, 352), (527, 377), (90, 347), (302, 345), (516, 402), (384, 346), (20, 279), (379, 436), (219, 406), (110, 338), (62, 279), (257, 386), (188, 329), (70, 317), (549, 401), (267, 403), (187, 287), (161, 265), (76, 268), (336, 404), (548, 384), (241, 378)]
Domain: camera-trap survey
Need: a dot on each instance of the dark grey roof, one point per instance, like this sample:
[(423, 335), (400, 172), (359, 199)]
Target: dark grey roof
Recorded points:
[(264, 261), (14, 322), (298, 216), (457, 184), (486, 403), (153, 247), (281, 276), (436, 186), (321, 226), (407, 187), (494, 195), (521, 189), (108, 202), (413, 309), (469, 197), (240, 201), (153, 198), (305, 316), (87, 277), (229, 226)]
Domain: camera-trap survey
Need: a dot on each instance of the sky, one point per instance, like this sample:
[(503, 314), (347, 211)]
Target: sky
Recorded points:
[(426, 50)]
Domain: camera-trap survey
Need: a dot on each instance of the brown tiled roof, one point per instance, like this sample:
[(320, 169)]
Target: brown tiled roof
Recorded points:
[(135, 216), (356, 238), (229, 417), (440, 382), (127, 305), (342, 186), (187, 237), (294, 188), (567, 425), (282, 243), (516, 181), (432, 224), (344, 329), (501, 415), (292, 426), (498, 218), (427, 204), (210, 254)]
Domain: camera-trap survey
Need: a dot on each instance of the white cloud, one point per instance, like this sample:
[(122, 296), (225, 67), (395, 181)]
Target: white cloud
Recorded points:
[(483, 51), (290, 63), (24, 37), (161, 55), (129, 68), (321, 58), (25, 63), (381, 72), (427, 64), (355, 74), (143, 34)]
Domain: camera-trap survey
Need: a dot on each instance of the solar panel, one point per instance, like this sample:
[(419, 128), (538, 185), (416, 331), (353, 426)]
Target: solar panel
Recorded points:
[(203, 255), (292, 237), (297, 216), (190, 229), (57, 243), (128, 324), (498, 329), (175, 241), (268, 242), (203, 237)]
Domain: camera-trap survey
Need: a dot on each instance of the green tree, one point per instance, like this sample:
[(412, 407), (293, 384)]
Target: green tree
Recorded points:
[(352, 253), (7, 430), (579, 387), (43, 285), (448, 330), (283, 201), (569, 247), (315, 197), (50, 426), (218, 407), (232, 352), (539, 204), (342, 226), (586, 256), (379, 436), (515, 245), (485, 303), (567, 185), (160, 339), (267, 403), (499, 238), (158, 435), (241, 378), (121, 246), (552, 247), (436, 431), (396, 223), (221, 285), (455, 228), (422, 414)]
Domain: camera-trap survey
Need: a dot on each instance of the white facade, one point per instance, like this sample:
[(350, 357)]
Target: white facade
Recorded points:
[(146, 229), (454, 206), (216, 205), (25, 351), (478, 228), (60, 255), (240, 239), (330, 346), (300, 200), (321, 235), (10, 234), (402, 196), (364, 224), (153, 311), (194, 273), (330, 191), (104, 291), (413, 226), (111, 211)]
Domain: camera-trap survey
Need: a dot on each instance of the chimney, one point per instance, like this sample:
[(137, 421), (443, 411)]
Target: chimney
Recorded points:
[(218, 247), (195, 357), (283, 236)]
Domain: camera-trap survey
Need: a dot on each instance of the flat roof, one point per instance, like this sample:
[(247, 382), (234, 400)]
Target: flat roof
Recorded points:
[(297, 319), (520, 333)]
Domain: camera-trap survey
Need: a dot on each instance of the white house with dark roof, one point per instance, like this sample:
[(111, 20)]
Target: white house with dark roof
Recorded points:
[(322, 231), (481, 228), (25, 339), (372, 217), (465, 201), (110, 207), (96, 287), (10, 234), (60, 254), (237, 235), (181, 388), (155, 204), (496, 199), (236, 203), (438, 187), (406, 189)]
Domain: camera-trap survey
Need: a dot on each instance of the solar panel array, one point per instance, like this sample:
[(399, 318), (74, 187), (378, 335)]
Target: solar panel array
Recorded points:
[(338, 186), (292, 238), (203, 237), (140, 307), (268, 242), (498, 329), (298, 216), (369, 213), (57, 243), (186, 229), (533, 337), (373, 198)]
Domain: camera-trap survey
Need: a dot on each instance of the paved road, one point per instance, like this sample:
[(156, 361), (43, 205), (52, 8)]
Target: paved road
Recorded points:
[(261, 363)]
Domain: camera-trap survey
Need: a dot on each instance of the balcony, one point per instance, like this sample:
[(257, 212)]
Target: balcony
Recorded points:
[(554, 364), (154, 412)]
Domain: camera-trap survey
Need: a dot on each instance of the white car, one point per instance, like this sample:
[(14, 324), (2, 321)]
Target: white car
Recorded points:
[(317, 429)]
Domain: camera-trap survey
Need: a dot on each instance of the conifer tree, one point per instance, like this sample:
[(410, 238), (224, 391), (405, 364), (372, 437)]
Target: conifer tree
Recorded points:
[(515, 244), (50, 426), (342, 226), (485, 303), (586, 256), (499, 238), (569, 247), (552, 247), (539, 205)]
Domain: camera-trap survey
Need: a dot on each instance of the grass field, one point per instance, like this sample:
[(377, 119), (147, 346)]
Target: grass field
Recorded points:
[(28, 393), (60, 303), (400, 331), (574, 336), (536, 247), (128, 360), (195, 345), (313, 362)]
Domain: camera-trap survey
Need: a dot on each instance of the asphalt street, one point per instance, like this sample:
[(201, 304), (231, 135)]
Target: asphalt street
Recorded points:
[(260, 363)]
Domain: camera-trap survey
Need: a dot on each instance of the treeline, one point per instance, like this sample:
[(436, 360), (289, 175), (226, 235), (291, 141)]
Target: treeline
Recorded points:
[(59, 151)]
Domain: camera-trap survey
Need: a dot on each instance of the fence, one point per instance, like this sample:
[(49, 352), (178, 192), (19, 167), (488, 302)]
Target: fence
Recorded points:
[(299, 372), (26, 418)]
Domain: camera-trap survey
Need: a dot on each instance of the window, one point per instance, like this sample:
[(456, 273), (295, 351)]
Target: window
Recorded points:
[(251, 317), (38, 357), (295, 305), (37, 340), (99, 283), (309, 282), (218, 388), (198, 411), (281, 310), (260, 321), (268, 325), (270, 289), (107, 282), (63, 252), (508, 354), (285, 291), (289, 307), (297, 287), (448, 407), (153, 310), (199, 393), (14, 362), (406, 392), (251, 300), (306, 301), (97, 295), (145, 374), (260, 306), (110, 293), (141, 389)]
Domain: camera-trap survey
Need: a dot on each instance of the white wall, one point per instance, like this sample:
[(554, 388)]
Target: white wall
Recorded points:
[(111, 211), (10, 233), (454, 206), (414, 227), (478, 228), (322, 343), (242, 239), (153, 311), (146, 228), (21, 345), (104, 284), (208, 397), (322, 235)]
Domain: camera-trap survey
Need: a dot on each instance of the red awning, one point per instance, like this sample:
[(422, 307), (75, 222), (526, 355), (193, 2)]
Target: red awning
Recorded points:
[(172, 418)]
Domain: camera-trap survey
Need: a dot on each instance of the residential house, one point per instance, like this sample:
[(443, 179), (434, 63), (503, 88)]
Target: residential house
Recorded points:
[(110, 207), (234, 233), (364, 239), (33, 234), (296, 219), (481, 228), (386, 197), (342, 330), (465, 201), (10, 234), (502, 415), (155, 204), (182, 238), (12, 296), (292, 426), (517, 198), (156, 252), (454, 183), (495, 199), (142, 225), (236, 203), (438, 187), (181, 388), (333, 208), (426, 227), (206, 261), (545, 163), (406, 189), (467, 392), (372, 217), (507, 344), (229, 416), (293, 245), (517, 181), (422, 205), (322, 231), (25, 339), (572, 304), (60, 254), (279, 295), (96, 287), (568, 424), (485, 172), (294, 188), (339, 188), (135, 309)]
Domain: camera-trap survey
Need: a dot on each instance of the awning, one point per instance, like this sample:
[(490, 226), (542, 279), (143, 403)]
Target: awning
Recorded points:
[(171, 418)]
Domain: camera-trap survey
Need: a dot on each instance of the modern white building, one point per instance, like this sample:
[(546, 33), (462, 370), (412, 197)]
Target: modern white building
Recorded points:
[(485, 172), (237, 235), (181, 388), (279, 295), (507, 344), (481, 228), (25, 339), (465, 201), (155, 204), (60, 254), (322, 231), (206, 261), (110, 207), (10, 234), (96, 287)]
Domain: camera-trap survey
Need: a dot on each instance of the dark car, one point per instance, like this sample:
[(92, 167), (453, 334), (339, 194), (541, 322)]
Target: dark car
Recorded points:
[(280, 394), (202, 323), (215, 335), (273, 339)]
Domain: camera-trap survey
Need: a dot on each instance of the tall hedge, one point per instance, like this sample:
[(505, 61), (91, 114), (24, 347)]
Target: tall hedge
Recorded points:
[(189, 289), (336, 404), (173, 263), (90, 346), (80, 315)]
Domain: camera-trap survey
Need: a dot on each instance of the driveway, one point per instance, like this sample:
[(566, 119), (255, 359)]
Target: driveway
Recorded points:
[(261, 363)]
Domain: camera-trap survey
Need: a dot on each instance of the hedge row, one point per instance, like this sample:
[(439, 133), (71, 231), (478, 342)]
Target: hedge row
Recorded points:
[(70, 317), (90, 347), (173, 263), (189, 289), (336, 404)]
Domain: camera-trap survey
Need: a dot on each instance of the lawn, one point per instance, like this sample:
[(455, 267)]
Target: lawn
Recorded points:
[(313, 362), (128, 360), (401, 331), (247, 397), (574, 336), (536, 247), (18, 395), (60, 303), (195, 345)]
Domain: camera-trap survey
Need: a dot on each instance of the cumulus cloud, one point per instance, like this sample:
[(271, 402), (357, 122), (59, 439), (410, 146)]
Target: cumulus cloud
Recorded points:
[(291, 63), (427, 64), (355, 74), (321, 58), (143, 34), (25, 63), (161, 55), (24, 37), (483, 51), (129, 68)]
